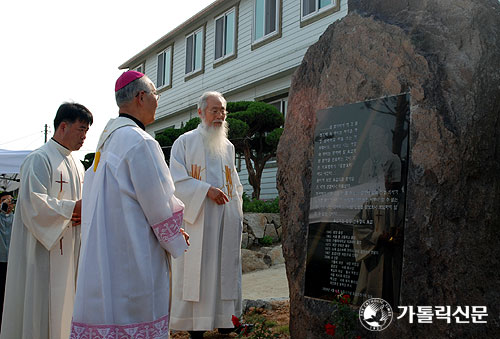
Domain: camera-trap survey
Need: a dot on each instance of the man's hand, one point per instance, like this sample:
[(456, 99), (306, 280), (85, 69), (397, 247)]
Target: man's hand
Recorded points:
[(186, 236), (219, 197), (76, 218)]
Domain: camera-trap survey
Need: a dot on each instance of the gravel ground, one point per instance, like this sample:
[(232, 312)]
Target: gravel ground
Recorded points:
[(265, 284)]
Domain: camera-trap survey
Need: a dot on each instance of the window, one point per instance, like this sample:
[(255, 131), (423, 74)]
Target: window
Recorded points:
[(164, 69), (281, 105), (194, 52), (225, 34), (139, 68), (239, 158), (318, 8), (280, 102), (266, 19), (314, 6)]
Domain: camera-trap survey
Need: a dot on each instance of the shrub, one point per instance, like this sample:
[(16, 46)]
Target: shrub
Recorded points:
[(342, 322), (260, 206), (266, 240), (259, 328)]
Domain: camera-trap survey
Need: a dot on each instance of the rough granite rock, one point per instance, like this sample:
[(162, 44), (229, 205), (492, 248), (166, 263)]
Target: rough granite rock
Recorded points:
[(447, 54), (270, 231), (276, 255), (256, 223), (259, 225), (261, 258), (254, 260), (245, 239)]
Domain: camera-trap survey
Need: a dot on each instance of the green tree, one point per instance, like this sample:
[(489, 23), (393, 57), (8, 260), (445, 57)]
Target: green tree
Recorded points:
[(254, 129), (169, 135)]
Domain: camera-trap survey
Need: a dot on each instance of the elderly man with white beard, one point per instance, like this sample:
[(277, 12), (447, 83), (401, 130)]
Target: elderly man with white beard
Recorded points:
[(207, 279)]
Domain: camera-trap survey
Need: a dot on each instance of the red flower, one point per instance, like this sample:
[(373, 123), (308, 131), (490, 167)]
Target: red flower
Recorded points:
[(246, 330), (345, 299), (236, 321), (330, 329)]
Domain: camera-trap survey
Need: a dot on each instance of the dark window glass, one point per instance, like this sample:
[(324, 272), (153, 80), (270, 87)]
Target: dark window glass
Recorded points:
[(270, 16), (160, 73), (189, 54), (308, 7), (219, 37)]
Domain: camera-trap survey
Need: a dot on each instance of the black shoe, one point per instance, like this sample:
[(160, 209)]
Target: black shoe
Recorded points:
[(225, 330), (196, 334)]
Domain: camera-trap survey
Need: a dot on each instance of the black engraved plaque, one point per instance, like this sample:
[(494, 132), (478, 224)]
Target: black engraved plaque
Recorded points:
[(357, 208)]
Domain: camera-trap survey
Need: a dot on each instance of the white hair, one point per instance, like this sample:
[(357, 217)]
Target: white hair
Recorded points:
[(202, 103)]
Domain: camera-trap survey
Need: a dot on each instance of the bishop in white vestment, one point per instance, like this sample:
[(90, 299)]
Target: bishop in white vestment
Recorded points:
[(45, 244), (130, 226), (207, 278)]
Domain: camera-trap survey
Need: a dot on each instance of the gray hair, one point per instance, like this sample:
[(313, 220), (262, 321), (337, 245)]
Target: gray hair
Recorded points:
[(202, 103), (127, 93)]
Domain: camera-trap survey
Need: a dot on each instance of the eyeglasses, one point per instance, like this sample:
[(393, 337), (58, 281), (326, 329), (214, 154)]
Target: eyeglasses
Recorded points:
[(156, 95), (215, 112)]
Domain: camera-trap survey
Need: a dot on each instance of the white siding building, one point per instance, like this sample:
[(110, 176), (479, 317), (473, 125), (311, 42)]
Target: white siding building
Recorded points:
[(246, 49)]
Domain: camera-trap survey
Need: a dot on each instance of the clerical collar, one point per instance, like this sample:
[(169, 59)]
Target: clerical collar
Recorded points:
[(63, 149), (134, 119)]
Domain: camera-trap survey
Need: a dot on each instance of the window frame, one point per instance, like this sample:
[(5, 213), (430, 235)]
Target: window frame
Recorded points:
[(267, 38), (226, 57), (140, 68), (283, 103), (319, 13), (194, 72), (282, 99), (164, 86)]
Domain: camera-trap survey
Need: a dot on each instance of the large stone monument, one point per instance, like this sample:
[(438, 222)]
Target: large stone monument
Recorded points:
[(446, 55)]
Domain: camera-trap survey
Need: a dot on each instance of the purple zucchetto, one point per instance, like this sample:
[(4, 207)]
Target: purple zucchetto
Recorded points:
[(126, 78)]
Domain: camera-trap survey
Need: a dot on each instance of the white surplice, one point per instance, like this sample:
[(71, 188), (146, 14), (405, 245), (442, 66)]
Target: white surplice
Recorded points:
[(44, 247), (207, 279), (130, 219)]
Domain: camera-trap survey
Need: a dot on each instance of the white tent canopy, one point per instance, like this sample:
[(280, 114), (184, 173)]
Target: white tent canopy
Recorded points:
[(10, 163)]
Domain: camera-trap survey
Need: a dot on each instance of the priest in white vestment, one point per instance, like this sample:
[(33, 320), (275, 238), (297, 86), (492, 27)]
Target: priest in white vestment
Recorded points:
[(130, 226), (45, 242), (207, 279)]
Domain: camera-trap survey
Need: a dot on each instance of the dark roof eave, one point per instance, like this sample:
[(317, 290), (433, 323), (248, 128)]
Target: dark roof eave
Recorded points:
[(132, 62)]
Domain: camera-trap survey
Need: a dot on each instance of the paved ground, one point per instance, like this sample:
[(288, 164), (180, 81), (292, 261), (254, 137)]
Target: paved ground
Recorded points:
[(265, 284)]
